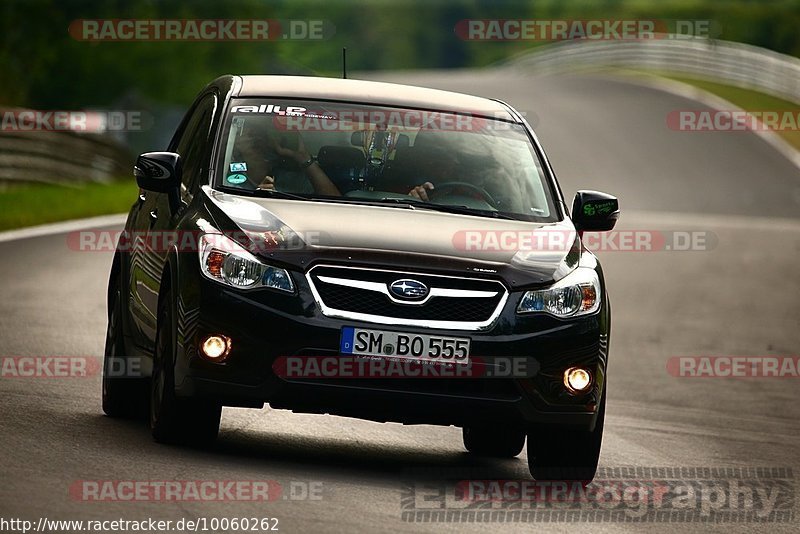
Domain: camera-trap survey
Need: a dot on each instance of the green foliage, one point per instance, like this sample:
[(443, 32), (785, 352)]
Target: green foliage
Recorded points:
[(44, 67)]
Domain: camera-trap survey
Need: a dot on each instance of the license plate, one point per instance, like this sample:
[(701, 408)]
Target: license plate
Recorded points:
[(365, 342)]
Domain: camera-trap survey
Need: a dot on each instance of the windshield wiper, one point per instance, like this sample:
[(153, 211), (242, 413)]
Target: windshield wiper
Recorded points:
[(280, 194), (407, 203), (343, 200), (447, 208), (269, 193)]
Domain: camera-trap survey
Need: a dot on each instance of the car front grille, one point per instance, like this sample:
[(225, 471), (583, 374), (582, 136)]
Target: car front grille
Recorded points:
[(365, 295)]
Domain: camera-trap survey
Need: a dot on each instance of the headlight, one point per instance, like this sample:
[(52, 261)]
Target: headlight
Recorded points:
[(578, 293), (224, 260)]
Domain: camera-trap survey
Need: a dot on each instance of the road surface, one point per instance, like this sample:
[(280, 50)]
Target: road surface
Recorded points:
[(738, 298)]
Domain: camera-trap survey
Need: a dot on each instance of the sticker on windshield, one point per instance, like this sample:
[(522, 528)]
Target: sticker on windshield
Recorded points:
[(287, 111), (236, 178), (270, 108), (239, 167)]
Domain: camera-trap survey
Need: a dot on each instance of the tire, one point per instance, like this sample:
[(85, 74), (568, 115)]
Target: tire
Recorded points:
[(175, 420), (123, 396), (494, 442), (556, 453)]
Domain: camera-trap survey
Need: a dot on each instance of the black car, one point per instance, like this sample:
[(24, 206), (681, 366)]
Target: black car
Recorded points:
[(362, 249)]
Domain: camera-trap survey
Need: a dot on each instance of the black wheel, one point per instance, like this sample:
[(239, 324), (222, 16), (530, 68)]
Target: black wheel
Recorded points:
[(496, 442), (556, 453), (184, 421), (123, 395)]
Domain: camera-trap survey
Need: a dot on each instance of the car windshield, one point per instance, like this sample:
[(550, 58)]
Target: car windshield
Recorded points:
[(372, 154)]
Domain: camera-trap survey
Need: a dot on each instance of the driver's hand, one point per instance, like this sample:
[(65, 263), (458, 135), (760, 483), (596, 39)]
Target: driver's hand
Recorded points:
[(421, 191), (267, 185)]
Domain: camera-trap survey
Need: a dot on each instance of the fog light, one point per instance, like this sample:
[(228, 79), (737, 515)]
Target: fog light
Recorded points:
[(577, 380), (216, 347)]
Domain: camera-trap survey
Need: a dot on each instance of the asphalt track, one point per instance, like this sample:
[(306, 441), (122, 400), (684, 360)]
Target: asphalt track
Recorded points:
[(739, 298)]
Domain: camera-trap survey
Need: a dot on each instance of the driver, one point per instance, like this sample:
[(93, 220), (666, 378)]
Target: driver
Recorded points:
[(459, 172), (435, 163)]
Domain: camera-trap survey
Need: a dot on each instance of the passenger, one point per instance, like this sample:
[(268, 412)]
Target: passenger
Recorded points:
[(264, 161), (264, 164)]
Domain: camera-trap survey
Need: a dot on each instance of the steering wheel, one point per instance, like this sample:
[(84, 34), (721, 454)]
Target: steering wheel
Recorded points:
[(473, 191)]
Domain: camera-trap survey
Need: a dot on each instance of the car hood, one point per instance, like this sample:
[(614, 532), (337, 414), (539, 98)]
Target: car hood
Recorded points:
[(301, 232)]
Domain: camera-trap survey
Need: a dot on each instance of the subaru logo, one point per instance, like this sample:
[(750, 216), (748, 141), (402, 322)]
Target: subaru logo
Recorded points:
[(409, 289)]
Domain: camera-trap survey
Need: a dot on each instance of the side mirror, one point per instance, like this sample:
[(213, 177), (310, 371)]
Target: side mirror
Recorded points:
[(158, 171), (594, 211)]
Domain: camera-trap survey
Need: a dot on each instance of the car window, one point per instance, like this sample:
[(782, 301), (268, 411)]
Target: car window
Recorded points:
[(380, 154), (195, 143)]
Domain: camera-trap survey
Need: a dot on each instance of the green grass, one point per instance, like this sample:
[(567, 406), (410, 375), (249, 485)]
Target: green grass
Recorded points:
[(746, 99), (29, 205)]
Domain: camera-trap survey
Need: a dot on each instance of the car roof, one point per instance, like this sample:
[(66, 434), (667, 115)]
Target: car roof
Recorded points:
[(369, 92)]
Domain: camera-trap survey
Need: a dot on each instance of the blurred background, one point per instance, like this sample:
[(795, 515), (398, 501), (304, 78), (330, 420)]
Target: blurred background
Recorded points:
[(47, 66)]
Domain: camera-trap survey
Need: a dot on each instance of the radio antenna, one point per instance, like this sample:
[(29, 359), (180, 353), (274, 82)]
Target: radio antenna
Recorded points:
[(344, 62)]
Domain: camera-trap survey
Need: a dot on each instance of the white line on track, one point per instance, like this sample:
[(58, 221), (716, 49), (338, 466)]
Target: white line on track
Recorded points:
[(708, 99), (63, 227)]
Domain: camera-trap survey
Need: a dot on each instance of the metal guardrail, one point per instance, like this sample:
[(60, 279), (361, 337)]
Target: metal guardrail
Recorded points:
[(61, 157), (736, 64)]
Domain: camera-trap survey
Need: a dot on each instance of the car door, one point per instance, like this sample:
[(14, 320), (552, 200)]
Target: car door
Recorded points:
[(159, 215)]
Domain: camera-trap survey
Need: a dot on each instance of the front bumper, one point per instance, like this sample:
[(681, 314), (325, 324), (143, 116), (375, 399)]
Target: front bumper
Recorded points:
[(265, 325)]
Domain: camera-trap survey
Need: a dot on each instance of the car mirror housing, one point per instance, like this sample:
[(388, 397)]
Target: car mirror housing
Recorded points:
[(158, 171), (594, 211)]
